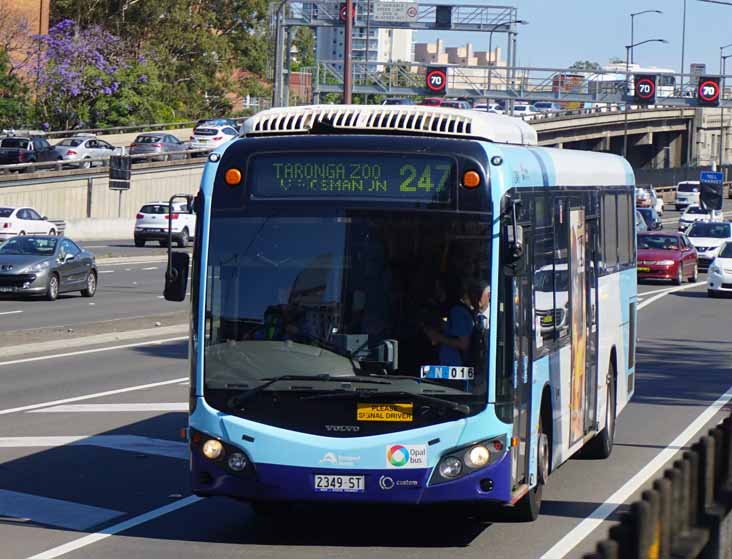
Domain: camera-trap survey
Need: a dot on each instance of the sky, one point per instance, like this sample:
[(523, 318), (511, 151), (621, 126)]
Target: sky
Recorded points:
[(561, 32)]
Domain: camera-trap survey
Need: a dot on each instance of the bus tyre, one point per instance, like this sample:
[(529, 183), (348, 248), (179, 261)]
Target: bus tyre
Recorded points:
[(527, 509), (601, 445)]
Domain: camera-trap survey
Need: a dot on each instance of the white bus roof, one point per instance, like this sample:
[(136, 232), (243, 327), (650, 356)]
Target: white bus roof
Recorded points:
[(409, 119)]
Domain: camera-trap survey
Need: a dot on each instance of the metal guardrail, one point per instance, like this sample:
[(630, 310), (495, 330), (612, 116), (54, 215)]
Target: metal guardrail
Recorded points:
[(65, 166), (687, 513)]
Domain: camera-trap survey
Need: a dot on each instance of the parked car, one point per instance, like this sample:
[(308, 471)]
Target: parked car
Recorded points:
[(152, 224), (687, 194), (666, 256), (456, 104), (162, 146), (692, 214), (47, 266), (489, 107), (217, 122), (527, 112), (26, 149), (719, 280), (398, 101), (432, 101), (649, 215), (707, 238), (23, 221), (640, 223), (82, 149), (547, 106), (211, 137)]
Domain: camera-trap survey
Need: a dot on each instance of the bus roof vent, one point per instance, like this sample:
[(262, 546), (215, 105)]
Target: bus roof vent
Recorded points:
[(405, 119)]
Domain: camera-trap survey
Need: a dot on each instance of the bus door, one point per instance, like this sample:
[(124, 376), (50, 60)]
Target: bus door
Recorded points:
[(583, 397), (521, 328), (592, 257)]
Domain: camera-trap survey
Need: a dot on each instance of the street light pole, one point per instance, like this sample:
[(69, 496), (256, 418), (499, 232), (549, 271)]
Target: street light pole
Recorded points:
[(722, 70), (627, 88), (348, 55), (632, 28), (277, 70), (683, 50), (490, 47)]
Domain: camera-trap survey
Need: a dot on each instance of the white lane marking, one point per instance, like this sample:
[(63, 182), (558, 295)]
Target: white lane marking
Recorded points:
[(10, 312), (87, 351), (91, 396), (112, 408), (115, 529), (669, 290), (584, 528), (106, 271), (647, 293), (128, 443), (152, 268), (54, 512)]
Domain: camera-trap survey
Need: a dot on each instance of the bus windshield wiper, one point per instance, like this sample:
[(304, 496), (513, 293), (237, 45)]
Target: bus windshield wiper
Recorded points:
[(418, 380), (238, 399), (441, 402)]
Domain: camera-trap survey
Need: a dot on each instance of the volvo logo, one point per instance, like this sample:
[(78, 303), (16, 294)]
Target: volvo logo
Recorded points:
[(343, 428), (386, 483)]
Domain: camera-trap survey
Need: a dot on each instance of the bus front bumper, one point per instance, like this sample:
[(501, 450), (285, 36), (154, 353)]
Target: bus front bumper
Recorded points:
[(278, 483)]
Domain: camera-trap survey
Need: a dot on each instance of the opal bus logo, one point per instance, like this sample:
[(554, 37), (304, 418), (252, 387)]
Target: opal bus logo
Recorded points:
[(397, 456), (406, 456)]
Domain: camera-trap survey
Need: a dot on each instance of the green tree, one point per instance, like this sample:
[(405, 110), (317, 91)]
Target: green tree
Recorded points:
[(13, 95)]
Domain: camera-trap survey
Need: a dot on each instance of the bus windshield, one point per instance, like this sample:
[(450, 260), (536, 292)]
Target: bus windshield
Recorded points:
[(351, 294)]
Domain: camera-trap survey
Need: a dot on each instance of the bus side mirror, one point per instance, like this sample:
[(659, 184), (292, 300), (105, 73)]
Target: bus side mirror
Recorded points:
[(176, 276), (711, 196), (515, 233)]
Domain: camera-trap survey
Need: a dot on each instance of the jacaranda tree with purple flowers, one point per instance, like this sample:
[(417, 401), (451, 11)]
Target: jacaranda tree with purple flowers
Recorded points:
[(86, 78)]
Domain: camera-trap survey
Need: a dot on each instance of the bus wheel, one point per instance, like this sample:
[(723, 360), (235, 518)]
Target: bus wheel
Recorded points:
[(601, 445), (527, 509)]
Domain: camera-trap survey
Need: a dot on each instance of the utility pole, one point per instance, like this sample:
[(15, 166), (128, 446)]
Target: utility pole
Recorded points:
[(348, 55)]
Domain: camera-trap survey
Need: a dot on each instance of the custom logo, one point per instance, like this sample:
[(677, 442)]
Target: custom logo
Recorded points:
[(406, 456), (343, 428), (386, 483)]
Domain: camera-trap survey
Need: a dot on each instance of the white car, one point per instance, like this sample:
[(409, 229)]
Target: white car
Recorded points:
[(23, 221), (707, 238), (646, 197), (488, 107), (211, 137), (83, 148), (719, 279), (527, 112), (687, 194), (549, 316), (152, 224), (692, 214)]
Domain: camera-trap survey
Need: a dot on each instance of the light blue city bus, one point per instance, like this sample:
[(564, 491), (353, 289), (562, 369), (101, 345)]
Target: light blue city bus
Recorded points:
[(403, 304)]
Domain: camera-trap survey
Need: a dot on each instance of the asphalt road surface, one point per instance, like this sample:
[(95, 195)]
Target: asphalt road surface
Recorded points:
[(90, 446)]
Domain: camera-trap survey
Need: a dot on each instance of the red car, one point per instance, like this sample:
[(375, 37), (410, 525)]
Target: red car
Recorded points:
[(667, 256)]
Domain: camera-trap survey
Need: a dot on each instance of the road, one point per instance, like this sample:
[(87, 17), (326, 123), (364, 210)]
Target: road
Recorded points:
[(89, 441)]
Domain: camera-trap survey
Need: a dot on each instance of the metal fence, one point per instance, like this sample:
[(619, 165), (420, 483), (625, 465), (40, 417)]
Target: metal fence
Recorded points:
[(688, 511)]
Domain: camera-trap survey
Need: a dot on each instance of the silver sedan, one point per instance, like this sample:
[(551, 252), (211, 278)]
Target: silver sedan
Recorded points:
[(46, 266), (85, 149)]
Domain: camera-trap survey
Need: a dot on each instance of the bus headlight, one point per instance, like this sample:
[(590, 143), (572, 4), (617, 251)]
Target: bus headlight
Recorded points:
[(468, 459), (212, 449), (237, 462), (477, 457), (450, 467)]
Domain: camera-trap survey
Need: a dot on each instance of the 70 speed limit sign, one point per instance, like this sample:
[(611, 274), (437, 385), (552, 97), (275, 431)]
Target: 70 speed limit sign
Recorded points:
[(645, 89), (708, 91), (436, 80)]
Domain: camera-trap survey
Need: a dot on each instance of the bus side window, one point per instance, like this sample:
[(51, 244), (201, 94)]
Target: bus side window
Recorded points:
[(561, 271), (609, 231)]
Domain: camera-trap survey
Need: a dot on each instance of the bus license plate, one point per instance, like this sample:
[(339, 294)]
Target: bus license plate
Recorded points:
[(339, 484)]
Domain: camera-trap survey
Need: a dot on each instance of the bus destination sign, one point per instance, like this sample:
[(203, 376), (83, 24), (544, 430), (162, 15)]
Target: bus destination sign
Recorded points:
[(362, 176)]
